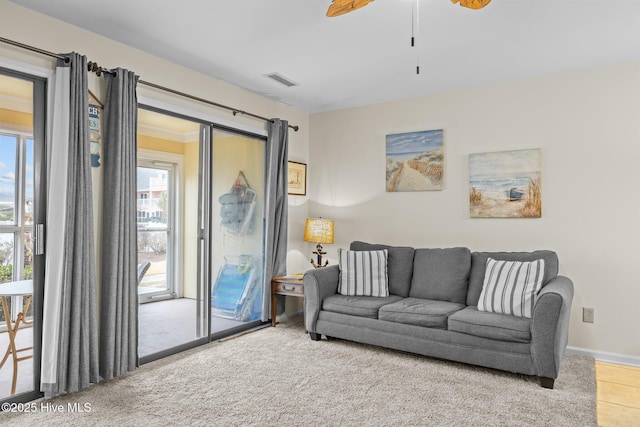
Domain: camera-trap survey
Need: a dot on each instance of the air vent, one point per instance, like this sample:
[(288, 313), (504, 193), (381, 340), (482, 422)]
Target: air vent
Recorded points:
[(281, 79)]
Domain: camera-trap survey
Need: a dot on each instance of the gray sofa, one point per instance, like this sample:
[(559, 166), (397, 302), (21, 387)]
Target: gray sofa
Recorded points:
[(432, 310)]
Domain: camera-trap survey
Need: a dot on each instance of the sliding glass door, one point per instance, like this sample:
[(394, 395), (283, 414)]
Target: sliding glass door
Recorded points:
[(22, 113), (237, 235), (200, 231), (170, 294)]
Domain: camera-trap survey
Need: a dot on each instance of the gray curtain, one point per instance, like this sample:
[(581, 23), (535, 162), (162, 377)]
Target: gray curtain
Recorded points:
[(276, 209), (70, 344), (119, 296)]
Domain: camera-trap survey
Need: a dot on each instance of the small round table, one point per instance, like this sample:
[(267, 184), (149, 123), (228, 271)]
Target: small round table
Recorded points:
[(20, 288)]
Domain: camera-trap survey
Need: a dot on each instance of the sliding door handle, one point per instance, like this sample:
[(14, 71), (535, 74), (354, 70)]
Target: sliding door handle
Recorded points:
[(39, 239)]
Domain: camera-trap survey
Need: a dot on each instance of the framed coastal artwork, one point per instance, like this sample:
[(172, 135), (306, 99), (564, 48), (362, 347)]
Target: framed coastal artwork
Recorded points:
[(505, 184), (297, 179), (415, 161)]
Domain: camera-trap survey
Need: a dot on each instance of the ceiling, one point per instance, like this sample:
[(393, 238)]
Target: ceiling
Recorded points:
[(364, 57)]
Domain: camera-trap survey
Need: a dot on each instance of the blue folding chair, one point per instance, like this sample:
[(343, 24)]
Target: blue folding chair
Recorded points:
[(236, 290)]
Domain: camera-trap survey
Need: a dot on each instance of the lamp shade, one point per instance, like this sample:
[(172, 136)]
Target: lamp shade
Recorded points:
[(318, 230)]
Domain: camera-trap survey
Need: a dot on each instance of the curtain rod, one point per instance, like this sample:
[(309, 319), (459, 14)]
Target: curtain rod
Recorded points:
[(31, 48), (235, 111), (97, 69)]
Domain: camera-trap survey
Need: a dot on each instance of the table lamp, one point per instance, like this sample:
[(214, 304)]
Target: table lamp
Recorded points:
[(319, 231)]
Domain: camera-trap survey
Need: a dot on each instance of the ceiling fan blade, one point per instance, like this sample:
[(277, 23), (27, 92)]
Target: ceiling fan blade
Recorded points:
[(340, 7), (472, 4)]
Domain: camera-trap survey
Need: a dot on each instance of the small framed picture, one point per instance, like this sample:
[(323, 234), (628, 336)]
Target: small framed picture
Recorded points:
[(297, 179)]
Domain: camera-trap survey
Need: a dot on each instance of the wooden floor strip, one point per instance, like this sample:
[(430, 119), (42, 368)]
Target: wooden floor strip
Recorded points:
[(612, 415), (618, 374), (618, 395)]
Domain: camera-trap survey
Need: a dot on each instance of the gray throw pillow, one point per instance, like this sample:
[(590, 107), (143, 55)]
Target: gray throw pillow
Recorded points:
[(441, 274)]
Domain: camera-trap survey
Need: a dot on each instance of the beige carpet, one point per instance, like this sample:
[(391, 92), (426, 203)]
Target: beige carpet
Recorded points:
[(279, 377)]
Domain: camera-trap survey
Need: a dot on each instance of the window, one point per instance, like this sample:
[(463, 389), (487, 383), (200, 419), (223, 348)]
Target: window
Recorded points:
[(16, 209), (157, 231)]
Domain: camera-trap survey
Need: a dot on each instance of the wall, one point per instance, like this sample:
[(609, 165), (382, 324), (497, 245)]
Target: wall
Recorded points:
[(159, 144), (16, 118), (25, 26), (586, 123)]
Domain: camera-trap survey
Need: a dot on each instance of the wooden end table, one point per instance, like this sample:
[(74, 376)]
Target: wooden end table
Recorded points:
[(291, 285)]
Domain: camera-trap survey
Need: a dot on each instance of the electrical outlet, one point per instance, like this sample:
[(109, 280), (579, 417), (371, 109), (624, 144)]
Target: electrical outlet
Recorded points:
[(587, 315)]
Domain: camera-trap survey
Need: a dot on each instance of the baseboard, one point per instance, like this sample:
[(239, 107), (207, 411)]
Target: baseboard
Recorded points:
[(604, 356)]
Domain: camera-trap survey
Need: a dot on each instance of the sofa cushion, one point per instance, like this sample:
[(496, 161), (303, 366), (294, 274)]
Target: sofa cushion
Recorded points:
[(399, 265), (441, 274), (479, 265), (419, 312), (363, 273), (357, 305), (501, 327), (510, 287)]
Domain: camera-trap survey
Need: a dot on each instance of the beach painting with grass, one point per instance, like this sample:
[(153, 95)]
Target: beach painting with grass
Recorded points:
[(505, 184), (415, 161)]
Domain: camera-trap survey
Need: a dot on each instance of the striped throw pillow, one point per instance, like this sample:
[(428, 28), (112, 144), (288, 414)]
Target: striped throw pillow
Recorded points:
[(363, 273), (510, 287)]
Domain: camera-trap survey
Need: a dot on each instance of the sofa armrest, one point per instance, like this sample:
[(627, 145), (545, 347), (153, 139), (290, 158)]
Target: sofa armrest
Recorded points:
[(550, 326), (318, 284)]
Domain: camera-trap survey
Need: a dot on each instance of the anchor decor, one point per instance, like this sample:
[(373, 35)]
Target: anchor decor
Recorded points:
[(319, 252)]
